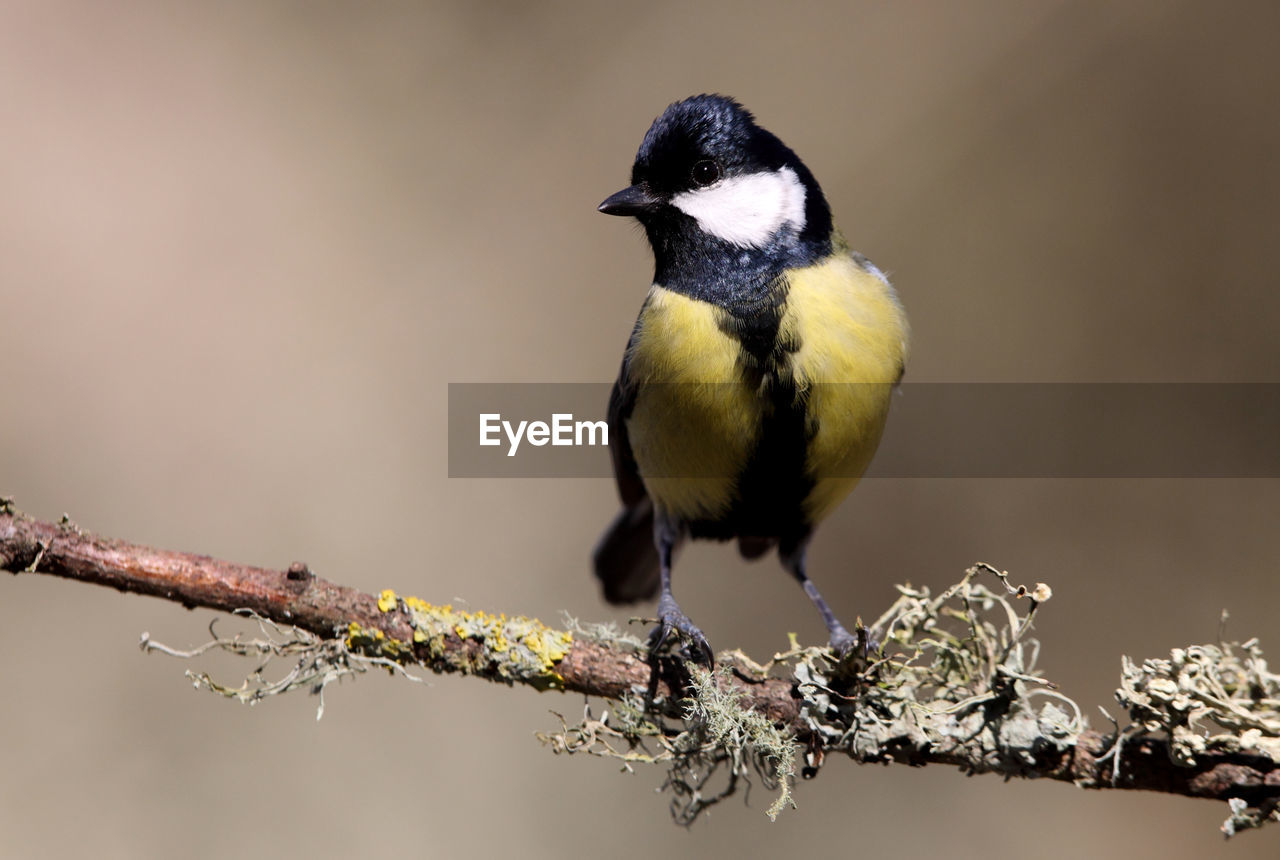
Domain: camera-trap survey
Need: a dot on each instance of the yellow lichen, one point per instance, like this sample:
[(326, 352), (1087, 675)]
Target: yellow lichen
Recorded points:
[(512, 648), (377, 643)]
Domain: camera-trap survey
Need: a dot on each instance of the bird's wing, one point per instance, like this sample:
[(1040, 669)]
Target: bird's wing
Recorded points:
[(625, 560), (625, 471)]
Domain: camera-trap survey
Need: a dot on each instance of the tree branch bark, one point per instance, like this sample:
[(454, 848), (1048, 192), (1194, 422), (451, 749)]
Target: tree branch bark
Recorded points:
[(603, 669)]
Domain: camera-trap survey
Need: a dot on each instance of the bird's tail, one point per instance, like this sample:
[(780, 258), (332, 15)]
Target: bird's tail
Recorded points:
[(625, 560), (753, 547)]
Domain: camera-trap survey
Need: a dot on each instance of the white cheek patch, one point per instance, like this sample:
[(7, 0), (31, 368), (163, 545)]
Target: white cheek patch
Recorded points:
[(747, 210)]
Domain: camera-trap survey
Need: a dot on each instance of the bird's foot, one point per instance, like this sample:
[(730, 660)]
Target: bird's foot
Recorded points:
[(672, 618), (846, 644)]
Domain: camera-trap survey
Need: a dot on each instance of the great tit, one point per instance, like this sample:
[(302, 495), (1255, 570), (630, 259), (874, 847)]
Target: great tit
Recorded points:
[(755, 386)]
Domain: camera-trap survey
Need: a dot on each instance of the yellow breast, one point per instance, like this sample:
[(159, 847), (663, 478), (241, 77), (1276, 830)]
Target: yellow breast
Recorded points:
[(853, 346), (694, 423), (694, 431)]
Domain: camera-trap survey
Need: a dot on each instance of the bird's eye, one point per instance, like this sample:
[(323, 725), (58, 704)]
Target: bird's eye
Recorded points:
[(705, 172)]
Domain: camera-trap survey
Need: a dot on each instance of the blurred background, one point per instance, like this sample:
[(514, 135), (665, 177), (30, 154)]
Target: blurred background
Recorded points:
[(244, 247)]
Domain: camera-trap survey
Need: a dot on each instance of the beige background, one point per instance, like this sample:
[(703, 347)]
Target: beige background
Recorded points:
[(243, 247)]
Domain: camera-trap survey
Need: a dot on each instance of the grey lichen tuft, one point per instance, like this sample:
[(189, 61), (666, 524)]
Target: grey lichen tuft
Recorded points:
[(313, 663), (956, 678), (1210, 698), (1206, 698), (725, 734), (716, 749), (1246, 817)]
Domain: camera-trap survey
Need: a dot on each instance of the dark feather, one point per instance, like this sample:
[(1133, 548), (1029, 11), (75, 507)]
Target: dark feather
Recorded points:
[(752, 548), (625, 560)]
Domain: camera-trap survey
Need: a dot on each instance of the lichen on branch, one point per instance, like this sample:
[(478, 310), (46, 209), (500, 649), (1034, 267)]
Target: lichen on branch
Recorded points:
[(956, 681)]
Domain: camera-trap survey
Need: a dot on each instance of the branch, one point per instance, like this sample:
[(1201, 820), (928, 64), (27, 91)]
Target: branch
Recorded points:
[(970, 698), (299, 598)]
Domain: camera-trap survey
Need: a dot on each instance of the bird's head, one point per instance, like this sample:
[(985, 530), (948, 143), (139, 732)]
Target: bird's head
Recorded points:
[(707, 176)]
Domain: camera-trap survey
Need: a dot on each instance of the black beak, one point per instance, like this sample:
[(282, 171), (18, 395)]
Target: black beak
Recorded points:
[(630, 201)]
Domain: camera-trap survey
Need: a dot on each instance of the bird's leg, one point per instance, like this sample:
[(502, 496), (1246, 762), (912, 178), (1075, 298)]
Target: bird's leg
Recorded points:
[(842, 641), (666, 535)]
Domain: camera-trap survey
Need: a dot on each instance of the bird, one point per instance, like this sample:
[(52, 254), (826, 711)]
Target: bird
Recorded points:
[(756, 383)]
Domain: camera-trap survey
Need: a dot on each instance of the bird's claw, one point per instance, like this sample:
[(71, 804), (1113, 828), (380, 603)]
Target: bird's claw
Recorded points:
[(846, 644), (671, 618)]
